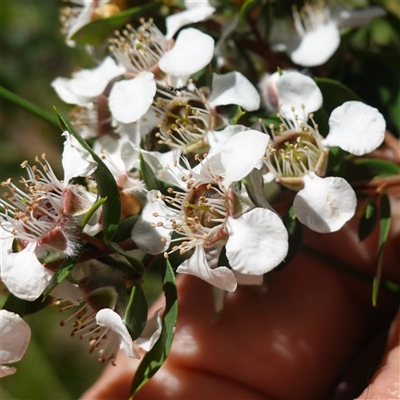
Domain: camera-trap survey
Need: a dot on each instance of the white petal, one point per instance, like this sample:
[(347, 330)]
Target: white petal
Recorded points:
[(144, 235), (67, 291), (193, 14), (234, 88), (5, 371), (63, 88), (151, 332), (92, 83), (83, 19), (76, 160), (325, 204), (130, 99), (356, 128), (193, 50), (23, 274), (15, 336), (110, 319), (258, 242), (216, 139), (198, 265), (241, 153), (315, 47), (298, 90)]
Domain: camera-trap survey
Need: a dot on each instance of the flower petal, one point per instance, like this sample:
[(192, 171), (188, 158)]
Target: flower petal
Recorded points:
[(151, 332), (130, 99), (23, 274), (241, 153), (92, 82), (325, 204), (356, 128), (258, 242), (198, 13), (192, 51), (110, 319), (216, 139), (153, 240), (63, 88), (198, 265), (76, 160), (244, 279), (234, 88), (298, 91), (316, 46), (6, 370), (15, 336)]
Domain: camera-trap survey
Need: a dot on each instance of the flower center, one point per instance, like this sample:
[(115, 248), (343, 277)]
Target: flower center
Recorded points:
[(139, 49)]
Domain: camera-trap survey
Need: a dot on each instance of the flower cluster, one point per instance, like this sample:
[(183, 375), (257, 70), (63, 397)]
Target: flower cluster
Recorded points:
[(176, 153)]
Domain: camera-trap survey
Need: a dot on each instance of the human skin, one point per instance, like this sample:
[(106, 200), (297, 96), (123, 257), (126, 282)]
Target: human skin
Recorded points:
[(294, 341)]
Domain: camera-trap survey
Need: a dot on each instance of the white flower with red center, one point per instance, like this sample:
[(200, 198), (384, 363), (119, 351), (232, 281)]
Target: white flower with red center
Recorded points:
[(101, 299), (15, 335), (42, 220), (297, 156), (149, 56), (208, 213), (316, 34)]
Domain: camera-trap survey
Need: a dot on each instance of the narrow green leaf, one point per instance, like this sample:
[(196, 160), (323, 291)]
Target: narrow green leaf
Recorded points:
[(374, 167), (236, 115), (15, 305), (155, 358), (368, 220), (147, 174), (27, 105), (92, 210), (107, 186), (335, 93), (125, 228), (136, 264), (136, 312), (384, 228), (95, 32), (66, 267)]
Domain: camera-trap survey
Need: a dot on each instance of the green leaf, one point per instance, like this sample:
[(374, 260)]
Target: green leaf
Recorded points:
[(92, 210), (27, 105), (155, 358), (237, 113), (95, 32), (136, 312), (334, 93), (135, 263), (125, 228), (147, 174), (335, 158), (106, 184), (66, 267), (384, 228), (374, 167), (368, 220)]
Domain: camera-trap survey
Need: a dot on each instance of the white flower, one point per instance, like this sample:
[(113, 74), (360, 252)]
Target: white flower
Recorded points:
[(317, 32), (190, 121), (147, 56), (87, 84), (98, 317), (15, 336), (207, 213), (196, 11), (43, 219), (297, 156)]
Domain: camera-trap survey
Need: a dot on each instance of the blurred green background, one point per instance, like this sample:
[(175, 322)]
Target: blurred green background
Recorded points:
[(33, 53)]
